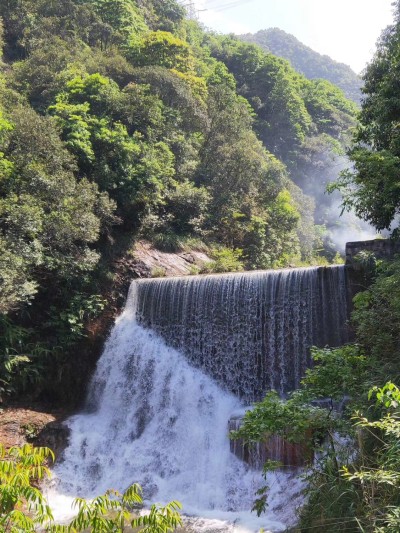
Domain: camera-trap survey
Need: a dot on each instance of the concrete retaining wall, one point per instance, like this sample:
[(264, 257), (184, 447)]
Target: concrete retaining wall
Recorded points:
[(382, 248)]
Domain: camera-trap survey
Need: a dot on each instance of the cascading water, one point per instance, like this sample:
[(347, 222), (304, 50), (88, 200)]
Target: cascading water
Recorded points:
[(252, 331), (162, 394)]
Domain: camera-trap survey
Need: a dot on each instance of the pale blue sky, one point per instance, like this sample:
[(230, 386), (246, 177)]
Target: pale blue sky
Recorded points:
[(346, 30)]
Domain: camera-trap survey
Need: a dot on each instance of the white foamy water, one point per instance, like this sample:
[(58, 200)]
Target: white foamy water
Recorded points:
[(250, 331), (154, 419)]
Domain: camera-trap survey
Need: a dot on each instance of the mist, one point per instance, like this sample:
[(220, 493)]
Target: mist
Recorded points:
[(317, 172)]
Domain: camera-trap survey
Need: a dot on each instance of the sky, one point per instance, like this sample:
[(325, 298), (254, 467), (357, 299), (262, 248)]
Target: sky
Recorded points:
[(346, 30)]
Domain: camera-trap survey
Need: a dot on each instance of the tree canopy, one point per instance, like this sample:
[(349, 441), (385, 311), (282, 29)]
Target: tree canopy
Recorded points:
[(308, 62), (371, 188)]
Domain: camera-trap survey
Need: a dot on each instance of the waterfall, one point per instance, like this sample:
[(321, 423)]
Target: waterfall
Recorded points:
[(251, 331), (183, 358)]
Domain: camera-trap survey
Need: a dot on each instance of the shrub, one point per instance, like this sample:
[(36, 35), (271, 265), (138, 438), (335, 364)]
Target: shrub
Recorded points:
[(24, 509), (158, 272), (224, 260)]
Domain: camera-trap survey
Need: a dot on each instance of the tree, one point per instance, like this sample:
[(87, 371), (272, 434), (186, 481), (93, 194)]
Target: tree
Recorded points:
[(380, 304), (371, 188), (273, 89), (121, 20), (133, 171), (163, 49), (307, 61), (169, 14), (304, 419), (47, 217), (376, 476)]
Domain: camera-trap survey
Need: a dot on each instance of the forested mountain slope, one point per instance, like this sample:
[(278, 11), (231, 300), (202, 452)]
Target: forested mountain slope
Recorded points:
[(306, 123), (306, 61), (123, 120)]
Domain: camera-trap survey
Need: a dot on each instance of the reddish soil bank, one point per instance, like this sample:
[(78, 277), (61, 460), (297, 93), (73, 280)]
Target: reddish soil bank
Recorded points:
[(38, 424)]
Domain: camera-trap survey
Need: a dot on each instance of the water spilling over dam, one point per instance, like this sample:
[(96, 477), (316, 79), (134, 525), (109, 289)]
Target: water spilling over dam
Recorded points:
[(250, 331), (183, 357)]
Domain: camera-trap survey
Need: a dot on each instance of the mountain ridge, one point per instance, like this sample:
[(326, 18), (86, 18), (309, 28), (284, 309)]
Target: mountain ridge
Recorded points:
[(307, 61)]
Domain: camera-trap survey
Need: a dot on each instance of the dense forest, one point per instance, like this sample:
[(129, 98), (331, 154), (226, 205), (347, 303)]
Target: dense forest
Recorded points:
[(124, 120), (306, 61)]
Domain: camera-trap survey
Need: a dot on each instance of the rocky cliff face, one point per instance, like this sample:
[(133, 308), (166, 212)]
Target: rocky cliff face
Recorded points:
[(145, 261), (148, 262)]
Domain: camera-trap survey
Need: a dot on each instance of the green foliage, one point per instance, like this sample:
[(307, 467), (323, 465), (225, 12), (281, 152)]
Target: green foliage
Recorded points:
[(380, 304), (181, 213), (48, 217), (69, 324), (23, 507), (371, 188), (310, 417), (366, 494), (122, 119), (337, 373), (256, 243), (329, 108), (21, 359), (169, 14), (158, 272), (223, 260), (166, 241), (10, 364), (123, 16), (274, 416), (133, 171), (307, 61), (285, 215), (194, 270), (376, 476), (163, 49), (304, 123), (112, 513), (272, 88), (338, 259), (182, 106), (161, 519), (358, 484)]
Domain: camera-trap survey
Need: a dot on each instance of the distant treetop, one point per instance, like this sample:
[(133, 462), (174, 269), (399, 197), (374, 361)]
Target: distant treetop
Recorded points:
[(306, 61)]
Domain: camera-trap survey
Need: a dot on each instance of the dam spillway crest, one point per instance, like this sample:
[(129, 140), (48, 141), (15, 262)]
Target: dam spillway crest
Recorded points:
[(252, 332)]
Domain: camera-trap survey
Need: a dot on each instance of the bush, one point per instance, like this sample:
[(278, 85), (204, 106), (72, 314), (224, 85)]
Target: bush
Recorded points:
[(158, 272), (22, 506), (336, 374), (21, 359), (167, 242), (224, 260), (24, 509)]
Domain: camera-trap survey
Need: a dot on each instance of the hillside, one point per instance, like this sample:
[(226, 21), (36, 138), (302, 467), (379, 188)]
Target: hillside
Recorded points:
[(124, 121), (306, 61)]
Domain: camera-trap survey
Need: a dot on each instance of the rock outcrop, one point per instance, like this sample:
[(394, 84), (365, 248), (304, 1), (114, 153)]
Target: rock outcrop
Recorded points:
[(149, 262)]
